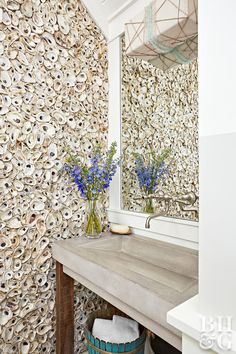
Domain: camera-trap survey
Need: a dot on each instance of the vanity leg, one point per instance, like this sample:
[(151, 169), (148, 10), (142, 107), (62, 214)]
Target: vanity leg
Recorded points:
[(64, 312)]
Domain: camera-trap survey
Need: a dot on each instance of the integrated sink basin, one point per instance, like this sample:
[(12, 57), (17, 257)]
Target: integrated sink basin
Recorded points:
[(143, 277)]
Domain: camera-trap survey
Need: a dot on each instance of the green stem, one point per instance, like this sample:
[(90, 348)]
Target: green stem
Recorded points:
[(149, 207), (94, 226)]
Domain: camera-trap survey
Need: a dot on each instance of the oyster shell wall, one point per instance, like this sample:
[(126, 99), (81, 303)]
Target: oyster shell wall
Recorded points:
[(53, 82), (160, 109)]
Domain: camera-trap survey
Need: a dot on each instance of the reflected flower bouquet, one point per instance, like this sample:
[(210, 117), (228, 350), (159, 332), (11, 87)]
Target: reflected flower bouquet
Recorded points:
[(149, 172)]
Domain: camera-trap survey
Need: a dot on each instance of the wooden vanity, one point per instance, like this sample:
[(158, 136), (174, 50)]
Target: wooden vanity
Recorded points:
[(142, 277)]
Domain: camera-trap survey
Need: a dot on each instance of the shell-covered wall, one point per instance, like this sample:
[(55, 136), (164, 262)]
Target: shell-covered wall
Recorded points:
[(160, 109), (53, 82)]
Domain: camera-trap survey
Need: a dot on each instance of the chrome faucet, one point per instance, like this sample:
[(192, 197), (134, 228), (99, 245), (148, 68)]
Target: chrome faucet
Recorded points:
[(161, 197), (152, 216)]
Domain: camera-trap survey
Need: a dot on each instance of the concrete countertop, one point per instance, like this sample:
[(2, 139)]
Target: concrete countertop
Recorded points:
[(143, 277)]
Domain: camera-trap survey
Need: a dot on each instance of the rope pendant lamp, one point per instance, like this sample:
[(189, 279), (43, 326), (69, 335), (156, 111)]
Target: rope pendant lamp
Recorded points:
[(165, 33)]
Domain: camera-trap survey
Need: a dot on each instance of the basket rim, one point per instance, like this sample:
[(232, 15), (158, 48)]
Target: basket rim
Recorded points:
[(102, 351), (142, 336)]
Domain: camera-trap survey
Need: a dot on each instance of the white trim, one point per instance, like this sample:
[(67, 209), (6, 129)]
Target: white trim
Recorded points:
[(176, 231), (121, 9), (124, 14), (187, 319), (112, 22)]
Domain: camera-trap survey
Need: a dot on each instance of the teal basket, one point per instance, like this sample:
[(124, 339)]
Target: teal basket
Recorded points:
[(96, 346)]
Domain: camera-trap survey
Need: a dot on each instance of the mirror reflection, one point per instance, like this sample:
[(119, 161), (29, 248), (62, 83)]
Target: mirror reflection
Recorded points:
[(160, 131)]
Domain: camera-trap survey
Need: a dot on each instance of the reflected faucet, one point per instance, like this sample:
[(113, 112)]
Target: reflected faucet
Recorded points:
[(186, 203), (163, 198)]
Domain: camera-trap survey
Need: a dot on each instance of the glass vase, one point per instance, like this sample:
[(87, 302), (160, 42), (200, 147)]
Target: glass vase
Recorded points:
[(148, 207), (93, 224)]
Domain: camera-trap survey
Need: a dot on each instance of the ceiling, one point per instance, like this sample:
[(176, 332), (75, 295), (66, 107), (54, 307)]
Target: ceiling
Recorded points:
[(103, 10), (111, 6)]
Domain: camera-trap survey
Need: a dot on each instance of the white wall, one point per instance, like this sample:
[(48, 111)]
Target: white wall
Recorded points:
[(190, 346), (217, 49), (217, 226)]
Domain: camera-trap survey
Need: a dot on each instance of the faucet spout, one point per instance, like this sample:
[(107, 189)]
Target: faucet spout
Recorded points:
[(153, 216)]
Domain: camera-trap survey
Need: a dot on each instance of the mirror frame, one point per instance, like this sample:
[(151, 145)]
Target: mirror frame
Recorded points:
[(176, 231)]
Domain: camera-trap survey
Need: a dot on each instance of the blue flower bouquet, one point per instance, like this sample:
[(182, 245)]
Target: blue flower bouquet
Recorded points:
[(150, 171), (92, 178)]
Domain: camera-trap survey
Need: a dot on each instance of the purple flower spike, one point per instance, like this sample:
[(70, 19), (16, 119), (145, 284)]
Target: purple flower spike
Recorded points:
[(95, 176)]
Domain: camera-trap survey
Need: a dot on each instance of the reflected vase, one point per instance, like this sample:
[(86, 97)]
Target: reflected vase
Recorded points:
[(93, 223), (148, 207)]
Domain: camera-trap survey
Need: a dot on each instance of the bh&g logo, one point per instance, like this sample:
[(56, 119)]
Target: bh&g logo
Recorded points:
[(216, 331)]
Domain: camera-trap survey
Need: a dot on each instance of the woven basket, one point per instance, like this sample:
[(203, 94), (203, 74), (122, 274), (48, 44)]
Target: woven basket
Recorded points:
[(96, 346)]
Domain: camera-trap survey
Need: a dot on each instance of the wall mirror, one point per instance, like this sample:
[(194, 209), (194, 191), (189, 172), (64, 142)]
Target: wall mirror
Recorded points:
[(159, 110)]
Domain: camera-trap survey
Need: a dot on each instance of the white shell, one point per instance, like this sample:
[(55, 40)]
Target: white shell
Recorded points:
[(25, 347), (31, 140), (82, 77), (28, 169), (19, 186), (4, 138), (48, 129), (15, 118), (14, 223), (22, 58), (60, 118), (6, 19), (82, 97), (39, 137), (6, 215), (2, 36), (63, 24), (37, 19), (41, 226), (27, 8), (52, 151), (51, 221), (24, 28), (5, 79), (2, 49), (4, 243), (3, 110), (43, 117), (52, 55), (67, 213), (80, 87), (27, 127), (17, 101), (5, 316), (37, 205), (5, 63)]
